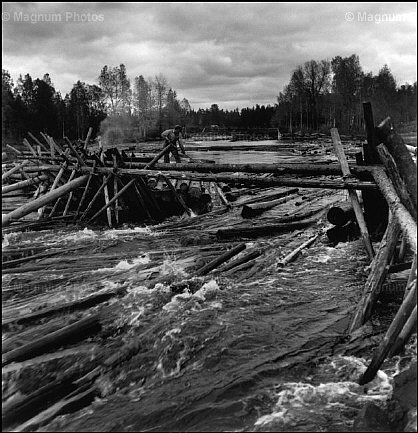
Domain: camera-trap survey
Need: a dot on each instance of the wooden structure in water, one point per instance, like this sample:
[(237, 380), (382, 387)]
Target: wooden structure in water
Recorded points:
[(68, 183)]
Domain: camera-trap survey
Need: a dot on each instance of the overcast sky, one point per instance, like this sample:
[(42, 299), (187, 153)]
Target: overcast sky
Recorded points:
[(231, 54)]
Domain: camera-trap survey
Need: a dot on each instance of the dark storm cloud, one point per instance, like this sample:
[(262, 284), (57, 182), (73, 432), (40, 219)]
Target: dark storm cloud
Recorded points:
[(227, 53)]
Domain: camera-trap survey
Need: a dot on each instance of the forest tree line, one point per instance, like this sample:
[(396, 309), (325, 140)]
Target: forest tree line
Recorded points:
[(319, 95)]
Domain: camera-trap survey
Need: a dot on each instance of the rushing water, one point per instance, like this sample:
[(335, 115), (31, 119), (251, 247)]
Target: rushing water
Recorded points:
[(268, 353)]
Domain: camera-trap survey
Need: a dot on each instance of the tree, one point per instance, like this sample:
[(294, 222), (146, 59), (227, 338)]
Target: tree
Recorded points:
[(116, 89), (160, 93)]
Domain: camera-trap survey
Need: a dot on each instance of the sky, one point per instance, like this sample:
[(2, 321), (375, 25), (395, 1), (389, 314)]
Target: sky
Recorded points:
[(235, 55)]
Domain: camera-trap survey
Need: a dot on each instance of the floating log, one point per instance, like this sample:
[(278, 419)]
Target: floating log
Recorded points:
[(291, 256), (221, 259), (86, 302), (43, 200), (251, 210), (399, 211), (377, 275), (265, 229), (79, 330), (342, 214), (353, 195), (243, 259), (392, 333), (24, 184)]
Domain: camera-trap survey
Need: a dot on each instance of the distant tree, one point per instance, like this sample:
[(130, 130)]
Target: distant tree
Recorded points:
[(160, 89), (116, 89)]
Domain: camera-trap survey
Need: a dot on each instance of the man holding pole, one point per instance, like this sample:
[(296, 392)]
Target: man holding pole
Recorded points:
[(171, 138)]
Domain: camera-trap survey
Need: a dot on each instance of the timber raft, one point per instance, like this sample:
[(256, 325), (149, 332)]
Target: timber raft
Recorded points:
[(68, 183)]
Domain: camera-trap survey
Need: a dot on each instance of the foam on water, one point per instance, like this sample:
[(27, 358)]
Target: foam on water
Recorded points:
[(299, 403), (125, 265)]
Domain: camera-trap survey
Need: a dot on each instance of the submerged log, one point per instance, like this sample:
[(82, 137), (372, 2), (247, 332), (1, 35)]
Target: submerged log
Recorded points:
[(353, 195), (43, 200), (342, 214), (79, 330), (221, 259)]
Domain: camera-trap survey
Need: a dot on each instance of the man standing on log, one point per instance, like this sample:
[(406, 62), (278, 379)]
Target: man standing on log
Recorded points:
[(171, 138)]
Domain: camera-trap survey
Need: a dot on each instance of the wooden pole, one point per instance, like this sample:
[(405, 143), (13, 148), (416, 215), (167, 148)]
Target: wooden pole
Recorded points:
[(392, 333), (86, 141), (111, 201), (177, 196), (106, 196), (42, 201), (412, 275), (32, 150), (83, 197), (353, 195), (16, 168), (14, 149), (157, 157), (100, 189), (409, 328), (377, 275), (41, 145), (115, 191)]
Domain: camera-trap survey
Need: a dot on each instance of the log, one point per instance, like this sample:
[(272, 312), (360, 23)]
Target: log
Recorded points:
[(269, 195), (86, 141), (403, 159), (243, 259), (399, 211), (249, 180), (79, 330), (100, 189), (115, 190), (392, 333), (412, 275), (43, 200), (279, 169), (23, 184), (74, 152), (31, 149), (111, 201), (71, 403), (251, 210), (291, 256), (41, 145), (18, 152), (16, 168), (409, 328), (375, 208), (177, 196), (265, 229), (82, 303), (221, 259), (106, 195), (397, 181), (72, 175), (83, 197), (342, 214), (353, 195), (157, 157), (377, 275)]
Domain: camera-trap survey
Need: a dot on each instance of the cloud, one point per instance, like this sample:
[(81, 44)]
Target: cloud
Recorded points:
[(232, 54)]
